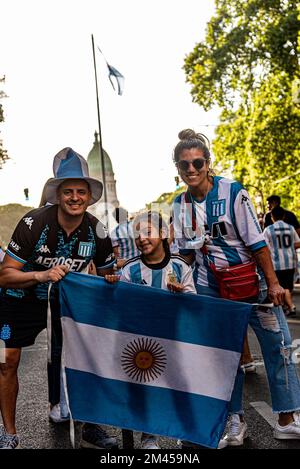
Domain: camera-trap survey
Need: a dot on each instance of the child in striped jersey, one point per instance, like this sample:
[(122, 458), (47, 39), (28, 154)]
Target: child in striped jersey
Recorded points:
[(155, 267)]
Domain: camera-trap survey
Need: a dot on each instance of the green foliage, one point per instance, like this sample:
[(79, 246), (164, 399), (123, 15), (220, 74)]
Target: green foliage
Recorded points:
[(262, 144), (249, 66), (9, 217), (166, 199), (245, 41)]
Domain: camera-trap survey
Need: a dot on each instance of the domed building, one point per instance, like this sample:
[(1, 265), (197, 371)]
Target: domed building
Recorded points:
[(95, 170)]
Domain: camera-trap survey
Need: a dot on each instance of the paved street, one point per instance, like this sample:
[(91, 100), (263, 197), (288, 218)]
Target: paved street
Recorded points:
[(36, 431)]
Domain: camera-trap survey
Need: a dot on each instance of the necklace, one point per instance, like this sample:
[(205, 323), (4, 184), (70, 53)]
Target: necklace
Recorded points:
[(189, 199), (209, 185)]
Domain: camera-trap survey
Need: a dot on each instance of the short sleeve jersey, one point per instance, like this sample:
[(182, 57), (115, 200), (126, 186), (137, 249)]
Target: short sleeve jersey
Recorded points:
[(123, 238), (172, 267), (227, 219), (39, 242), (281, 238)]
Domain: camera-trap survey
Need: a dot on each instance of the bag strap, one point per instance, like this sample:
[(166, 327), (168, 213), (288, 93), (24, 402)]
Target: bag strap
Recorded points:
[(191, 208), (204, 251), (188, 198)]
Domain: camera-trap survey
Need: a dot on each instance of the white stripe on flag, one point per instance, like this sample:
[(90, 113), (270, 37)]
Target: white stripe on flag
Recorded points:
[(192, 368)]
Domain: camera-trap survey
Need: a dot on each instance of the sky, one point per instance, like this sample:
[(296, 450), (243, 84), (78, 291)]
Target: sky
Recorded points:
[(46, 57)]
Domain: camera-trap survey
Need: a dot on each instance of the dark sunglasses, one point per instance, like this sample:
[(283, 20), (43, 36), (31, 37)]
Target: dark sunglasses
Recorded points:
[(184, 165)]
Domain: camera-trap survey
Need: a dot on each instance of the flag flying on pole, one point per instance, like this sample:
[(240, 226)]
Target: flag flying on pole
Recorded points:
[(150, 360), (114, 73)]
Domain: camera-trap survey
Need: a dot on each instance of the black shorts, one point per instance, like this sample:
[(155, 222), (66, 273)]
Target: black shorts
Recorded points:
[(21, 321), (286, 278)]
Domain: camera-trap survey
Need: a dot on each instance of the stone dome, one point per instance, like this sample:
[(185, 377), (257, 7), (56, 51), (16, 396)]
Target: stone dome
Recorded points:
[(94, 161)]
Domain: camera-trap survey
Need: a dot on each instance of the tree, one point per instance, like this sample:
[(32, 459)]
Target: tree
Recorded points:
[(249, 66), (261, 143), (245, 42)]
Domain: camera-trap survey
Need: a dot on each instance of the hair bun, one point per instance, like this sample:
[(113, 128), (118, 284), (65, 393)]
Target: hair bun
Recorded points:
[(189, 134)]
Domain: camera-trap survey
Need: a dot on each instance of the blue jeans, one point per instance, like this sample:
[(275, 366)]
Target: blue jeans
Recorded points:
[(272, 332)]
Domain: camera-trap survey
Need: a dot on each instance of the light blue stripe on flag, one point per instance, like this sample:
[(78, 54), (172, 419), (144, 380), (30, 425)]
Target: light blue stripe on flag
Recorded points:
[(125, 405), (150, 360)]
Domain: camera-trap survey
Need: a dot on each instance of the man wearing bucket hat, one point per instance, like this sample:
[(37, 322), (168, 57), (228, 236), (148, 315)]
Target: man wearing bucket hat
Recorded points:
[(46, 244)]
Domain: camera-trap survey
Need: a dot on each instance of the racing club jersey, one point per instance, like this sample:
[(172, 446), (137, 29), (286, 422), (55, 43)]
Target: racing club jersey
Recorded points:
[(39, 242), (225, 219)]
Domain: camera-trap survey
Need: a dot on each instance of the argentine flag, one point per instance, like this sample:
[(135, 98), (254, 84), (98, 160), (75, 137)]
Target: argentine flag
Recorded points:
[(149, 360)]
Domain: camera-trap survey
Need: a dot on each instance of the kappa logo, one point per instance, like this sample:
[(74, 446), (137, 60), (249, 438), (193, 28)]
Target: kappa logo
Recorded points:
[(28, 221), (244, 199), (44, 249), (14, 245), (109, 258)]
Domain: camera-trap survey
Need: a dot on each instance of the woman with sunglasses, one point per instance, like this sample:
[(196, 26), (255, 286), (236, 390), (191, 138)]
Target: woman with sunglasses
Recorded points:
[(215, 224)]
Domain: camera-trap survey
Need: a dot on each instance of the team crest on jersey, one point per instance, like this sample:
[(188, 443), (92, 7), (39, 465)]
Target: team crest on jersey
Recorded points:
[(5, 332), (85, 249), (218, 207)]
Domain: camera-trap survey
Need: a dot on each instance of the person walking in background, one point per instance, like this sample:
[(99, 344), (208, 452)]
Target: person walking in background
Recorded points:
[(289, 217), (283, 241), (122, 238)]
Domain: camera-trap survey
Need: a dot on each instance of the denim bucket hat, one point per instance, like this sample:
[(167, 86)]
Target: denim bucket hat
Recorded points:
[(68, 164)]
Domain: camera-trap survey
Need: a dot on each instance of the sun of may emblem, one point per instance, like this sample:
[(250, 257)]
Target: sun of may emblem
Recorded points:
[(143, 359)]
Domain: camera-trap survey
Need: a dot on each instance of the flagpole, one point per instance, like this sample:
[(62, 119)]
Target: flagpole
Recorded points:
[(101, 154)]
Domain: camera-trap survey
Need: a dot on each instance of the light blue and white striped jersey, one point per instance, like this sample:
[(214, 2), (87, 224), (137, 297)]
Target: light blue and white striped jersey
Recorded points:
[(280, 238), (158, 275), (123, 237), (228, 219), (174, 249)]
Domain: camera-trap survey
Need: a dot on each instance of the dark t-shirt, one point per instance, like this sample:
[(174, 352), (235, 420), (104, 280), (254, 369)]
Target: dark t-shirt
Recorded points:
[(289, 218), (40, 243)]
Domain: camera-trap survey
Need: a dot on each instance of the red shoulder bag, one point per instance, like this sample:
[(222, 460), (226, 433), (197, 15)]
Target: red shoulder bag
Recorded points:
[(239, 282)]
